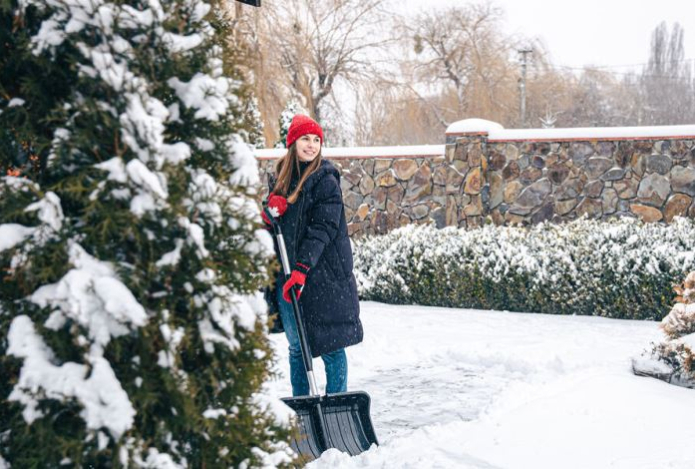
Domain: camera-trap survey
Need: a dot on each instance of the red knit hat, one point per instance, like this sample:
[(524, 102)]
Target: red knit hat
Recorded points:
[(302, 125)]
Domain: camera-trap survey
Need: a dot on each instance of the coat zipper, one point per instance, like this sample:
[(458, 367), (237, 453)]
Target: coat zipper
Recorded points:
[(299, 226)]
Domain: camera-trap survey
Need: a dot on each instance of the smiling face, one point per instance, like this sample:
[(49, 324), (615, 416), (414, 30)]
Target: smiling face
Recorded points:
[(308, 147)]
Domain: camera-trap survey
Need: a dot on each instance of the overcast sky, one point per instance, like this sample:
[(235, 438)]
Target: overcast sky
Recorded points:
[(590, 32)]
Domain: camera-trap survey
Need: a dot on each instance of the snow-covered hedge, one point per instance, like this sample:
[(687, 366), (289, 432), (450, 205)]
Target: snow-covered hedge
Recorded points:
[(621, 268)]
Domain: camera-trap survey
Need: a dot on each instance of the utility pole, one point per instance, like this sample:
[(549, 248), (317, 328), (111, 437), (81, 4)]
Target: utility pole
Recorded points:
[(522, 86)]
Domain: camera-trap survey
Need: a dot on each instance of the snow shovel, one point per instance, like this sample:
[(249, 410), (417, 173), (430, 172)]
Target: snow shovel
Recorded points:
[(339, 420)]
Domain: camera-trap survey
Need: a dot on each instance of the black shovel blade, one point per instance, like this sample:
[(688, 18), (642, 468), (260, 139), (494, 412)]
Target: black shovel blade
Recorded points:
[(346, 421)]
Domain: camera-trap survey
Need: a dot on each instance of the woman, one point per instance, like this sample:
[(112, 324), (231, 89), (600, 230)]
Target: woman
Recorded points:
[(307, 201)]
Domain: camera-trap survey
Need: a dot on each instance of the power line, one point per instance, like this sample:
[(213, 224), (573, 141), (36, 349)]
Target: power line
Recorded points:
[(633, 73), (625, 65)]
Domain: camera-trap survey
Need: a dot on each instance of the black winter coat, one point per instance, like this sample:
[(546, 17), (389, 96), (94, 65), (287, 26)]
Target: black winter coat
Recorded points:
[(315, 233)]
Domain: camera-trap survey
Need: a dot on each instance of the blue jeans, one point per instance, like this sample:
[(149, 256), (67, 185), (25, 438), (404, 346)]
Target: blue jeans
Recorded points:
[(334, 362)]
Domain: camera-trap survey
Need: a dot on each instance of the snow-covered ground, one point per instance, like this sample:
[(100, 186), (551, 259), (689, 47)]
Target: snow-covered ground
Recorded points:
[(455, 388)]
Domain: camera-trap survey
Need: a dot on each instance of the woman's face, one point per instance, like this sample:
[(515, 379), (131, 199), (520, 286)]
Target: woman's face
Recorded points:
[(308, 147)]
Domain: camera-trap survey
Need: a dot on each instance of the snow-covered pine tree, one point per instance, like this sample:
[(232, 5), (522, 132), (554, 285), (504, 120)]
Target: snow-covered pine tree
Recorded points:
[(131, 330), (254, 124), (293, 107)]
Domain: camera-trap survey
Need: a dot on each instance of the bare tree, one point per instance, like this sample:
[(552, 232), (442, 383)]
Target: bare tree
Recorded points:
[(388, 113), (548, 91), (319, 43), (667, 81), (305, 49), (374, 106), (462, 50), (251, 34)]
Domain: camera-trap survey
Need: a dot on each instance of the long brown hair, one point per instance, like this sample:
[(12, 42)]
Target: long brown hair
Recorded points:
[(289, 165)]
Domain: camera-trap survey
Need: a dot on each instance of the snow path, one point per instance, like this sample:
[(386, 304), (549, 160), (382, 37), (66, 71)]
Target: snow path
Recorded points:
[(457, 388)]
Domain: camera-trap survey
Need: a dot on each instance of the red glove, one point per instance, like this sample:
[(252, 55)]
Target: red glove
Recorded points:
[(297, 280), (277, 205)]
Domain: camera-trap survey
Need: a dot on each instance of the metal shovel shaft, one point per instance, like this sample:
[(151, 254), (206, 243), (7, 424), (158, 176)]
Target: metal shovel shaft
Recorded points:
[(301, 331)]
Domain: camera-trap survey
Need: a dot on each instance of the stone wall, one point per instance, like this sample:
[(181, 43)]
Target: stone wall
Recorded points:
[(530, 182), (486, 173)]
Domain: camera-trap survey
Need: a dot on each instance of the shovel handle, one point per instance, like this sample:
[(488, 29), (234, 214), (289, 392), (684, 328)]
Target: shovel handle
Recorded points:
[(299, 319)]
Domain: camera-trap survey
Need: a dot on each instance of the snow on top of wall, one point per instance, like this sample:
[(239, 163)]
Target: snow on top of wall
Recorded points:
[(364, 152), (597, 133), (498, 133), (473, 126)]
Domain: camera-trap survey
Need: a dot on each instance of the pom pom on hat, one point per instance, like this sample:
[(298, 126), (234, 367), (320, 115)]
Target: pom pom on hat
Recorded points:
[(302, 125)]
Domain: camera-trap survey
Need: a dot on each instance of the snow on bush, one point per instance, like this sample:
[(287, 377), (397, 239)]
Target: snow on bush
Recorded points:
[(681, 320), (673, 360), (621, 268)]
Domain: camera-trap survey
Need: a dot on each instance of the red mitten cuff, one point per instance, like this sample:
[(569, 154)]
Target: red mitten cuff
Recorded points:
[(301, 267), (297, 280)]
